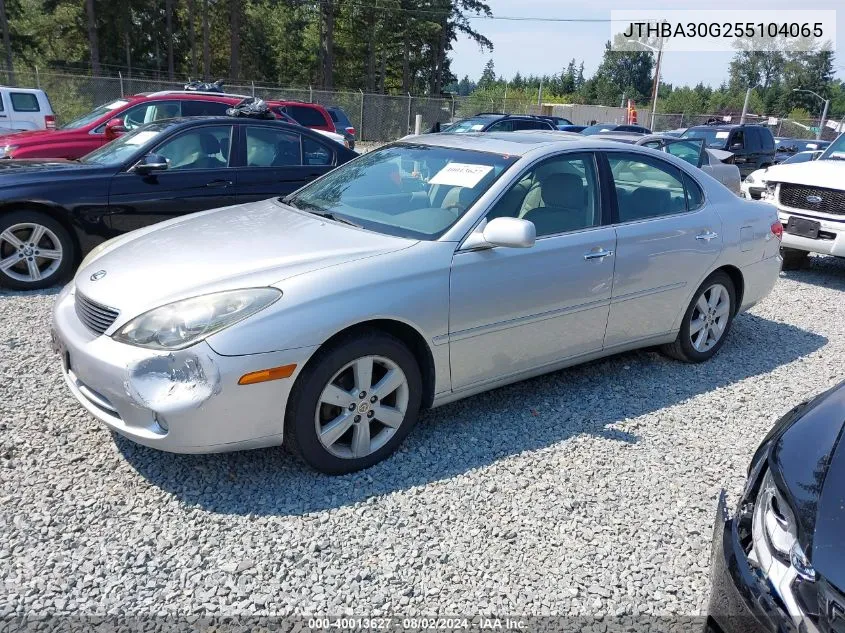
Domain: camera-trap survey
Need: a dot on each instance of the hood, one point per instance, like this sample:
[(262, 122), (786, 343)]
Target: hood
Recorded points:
[(30, 137), (719, 154), (249, 245), (817, 173), (808, 463), (26, 165)]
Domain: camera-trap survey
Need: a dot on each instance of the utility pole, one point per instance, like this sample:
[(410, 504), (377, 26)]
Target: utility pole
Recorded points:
[(824, 116), (656, 83), (745, 106)]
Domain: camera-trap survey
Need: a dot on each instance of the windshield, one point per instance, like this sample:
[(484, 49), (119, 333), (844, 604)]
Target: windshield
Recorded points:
[(598, 129), (120, 149), (95, 114), (415, 191), (467, 125), (836, 150), (713, 137)]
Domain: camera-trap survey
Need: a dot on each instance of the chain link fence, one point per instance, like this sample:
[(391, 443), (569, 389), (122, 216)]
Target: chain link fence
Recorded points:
[(779, 126)]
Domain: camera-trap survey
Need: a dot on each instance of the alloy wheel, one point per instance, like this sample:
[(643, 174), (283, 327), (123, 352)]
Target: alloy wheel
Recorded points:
[(29, 252), (361, 407), (710, 317)]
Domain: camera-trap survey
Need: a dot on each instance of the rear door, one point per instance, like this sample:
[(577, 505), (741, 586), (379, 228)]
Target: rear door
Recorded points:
[(667, 238), (275, 161), (198, 178)]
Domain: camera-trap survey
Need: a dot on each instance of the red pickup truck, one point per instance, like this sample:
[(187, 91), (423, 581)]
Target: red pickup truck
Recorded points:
[(110, 120)]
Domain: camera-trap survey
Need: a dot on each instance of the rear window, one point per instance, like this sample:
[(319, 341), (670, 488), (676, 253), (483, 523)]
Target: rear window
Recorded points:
[(24, 102), (306, 116)]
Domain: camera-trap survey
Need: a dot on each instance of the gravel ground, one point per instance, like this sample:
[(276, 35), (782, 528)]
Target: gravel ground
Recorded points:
[(591, 490)]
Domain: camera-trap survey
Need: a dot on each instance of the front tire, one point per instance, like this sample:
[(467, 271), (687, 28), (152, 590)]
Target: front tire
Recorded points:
[(36, 251), (354, 403), (706, 322), (794, 259)]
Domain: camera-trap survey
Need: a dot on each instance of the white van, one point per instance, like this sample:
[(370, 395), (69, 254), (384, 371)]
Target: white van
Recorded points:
[(25, 109)]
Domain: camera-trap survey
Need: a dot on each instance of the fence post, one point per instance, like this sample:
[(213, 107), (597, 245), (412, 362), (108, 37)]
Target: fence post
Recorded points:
[(408, 129), (361, 127), (37, 79), (453, 107), (120, 74), (253, 88), (418, 124), (310, 94)]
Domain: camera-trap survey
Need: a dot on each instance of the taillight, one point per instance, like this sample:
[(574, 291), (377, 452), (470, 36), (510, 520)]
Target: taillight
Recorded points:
[(50, 121), (777, 230), (351, 130)]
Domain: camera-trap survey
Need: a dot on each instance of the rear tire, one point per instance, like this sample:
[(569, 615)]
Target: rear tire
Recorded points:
[(706, 322), (354, 403), (36, 251), (794, 259)]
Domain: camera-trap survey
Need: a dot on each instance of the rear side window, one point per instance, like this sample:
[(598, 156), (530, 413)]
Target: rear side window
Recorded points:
[(501, 126), (24, 102), (204, 108), (768, 140), (646, 187), (695, 196), (309, 117), (752, 139)]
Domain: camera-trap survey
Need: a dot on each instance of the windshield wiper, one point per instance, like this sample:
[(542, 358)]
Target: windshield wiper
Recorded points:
[(337, 218)]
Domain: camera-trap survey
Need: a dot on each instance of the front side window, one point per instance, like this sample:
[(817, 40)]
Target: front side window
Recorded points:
[(266, 147), (646, 187), (501, 126), (201, 148), (686, 150), (24, 102), (415, 191), (150, 112), (558, 195)]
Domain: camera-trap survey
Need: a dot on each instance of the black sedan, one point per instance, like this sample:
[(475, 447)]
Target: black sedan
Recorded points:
[(52, 212), (779, 563)]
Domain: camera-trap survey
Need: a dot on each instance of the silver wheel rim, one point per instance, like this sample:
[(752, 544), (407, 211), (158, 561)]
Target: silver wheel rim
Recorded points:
[(29, 252), (710, 317), (361, 407)]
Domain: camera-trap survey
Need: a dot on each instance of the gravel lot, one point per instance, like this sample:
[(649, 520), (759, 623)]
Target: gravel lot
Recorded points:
[(591, 490)]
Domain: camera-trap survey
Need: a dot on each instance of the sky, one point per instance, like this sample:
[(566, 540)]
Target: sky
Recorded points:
[(542, 47)]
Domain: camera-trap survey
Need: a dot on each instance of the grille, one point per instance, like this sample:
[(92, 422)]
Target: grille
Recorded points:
[(94, 316), (795, 196)]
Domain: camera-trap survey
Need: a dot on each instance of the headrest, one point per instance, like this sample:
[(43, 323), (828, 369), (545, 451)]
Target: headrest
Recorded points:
[(209, 144), (563, 190)]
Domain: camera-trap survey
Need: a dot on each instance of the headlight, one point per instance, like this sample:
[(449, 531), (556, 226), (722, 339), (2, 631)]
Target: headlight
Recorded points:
[(99, 248), (750, 179), (773, 514), (7, 149), (183, 323)]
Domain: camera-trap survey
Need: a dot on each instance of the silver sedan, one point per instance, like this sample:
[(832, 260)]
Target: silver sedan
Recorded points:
[(418, 274)]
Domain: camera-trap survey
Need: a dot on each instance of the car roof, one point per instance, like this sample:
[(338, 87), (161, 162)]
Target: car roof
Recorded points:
[(186, 121), (510, 143)]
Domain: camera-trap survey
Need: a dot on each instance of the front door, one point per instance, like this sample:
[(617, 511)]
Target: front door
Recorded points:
[(198, 177), (667, 238), (513, 310), (277, 162)]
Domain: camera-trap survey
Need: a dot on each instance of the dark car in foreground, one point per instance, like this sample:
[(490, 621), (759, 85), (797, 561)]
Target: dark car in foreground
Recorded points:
[(52, 212), (779, 562)]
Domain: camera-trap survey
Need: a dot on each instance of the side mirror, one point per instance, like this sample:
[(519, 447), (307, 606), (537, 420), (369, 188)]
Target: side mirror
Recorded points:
[(505, 232), (114, 128), (151, 163)]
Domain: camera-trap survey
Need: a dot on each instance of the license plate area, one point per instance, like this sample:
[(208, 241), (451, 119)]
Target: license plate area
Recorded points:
[(803, 227)]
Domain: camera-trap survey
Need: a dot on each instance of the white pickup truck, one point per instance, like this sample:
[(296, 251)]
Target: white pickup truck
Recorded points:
[(810, 198)]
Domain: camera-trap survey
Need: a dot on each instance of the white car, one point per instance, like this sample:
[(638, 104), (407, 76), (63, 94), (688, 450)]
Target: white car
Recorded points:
[(810, 199), (25, 109), (755, 184)]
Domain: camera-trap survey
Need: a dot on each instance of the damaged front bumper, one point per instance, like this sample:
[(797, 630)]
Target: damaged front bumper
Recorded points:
[(186, 401)]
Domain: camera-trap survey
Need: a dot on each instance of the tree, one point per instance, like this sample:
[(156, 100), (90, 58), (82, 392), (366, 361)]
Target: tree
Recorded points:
[(92, 37), (168, 10), (7, 44), (567, 79), (206, 44), (235, 39), (488, 75), (626, 73)]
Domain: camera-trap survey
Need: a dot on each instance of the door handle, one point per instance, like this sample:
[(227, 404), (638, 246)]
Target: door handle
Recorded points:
[(706, 237), (599, 254), (219, 183)]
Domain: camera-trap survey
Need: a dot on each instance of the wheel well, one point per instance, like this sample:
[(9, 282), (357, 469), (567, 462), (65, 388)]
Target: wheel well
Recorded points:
[(739, 283), (54, 213), (410, 337)]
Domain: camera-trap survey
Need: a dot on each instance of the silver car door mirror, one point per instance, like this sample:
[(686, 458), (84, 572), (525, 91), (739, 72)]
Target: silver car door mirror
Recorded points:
[(505, 232)]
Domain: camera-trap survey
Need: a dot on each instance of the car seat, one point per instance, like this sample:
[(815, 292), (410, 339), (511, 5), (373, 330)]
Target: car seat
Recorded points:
[(564, 197)]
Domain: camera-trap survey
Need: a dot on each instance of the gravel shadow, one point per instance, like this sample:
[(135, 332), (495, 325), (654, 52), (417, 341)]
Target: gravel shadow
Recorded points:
[(823, 270), (456, 438)]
